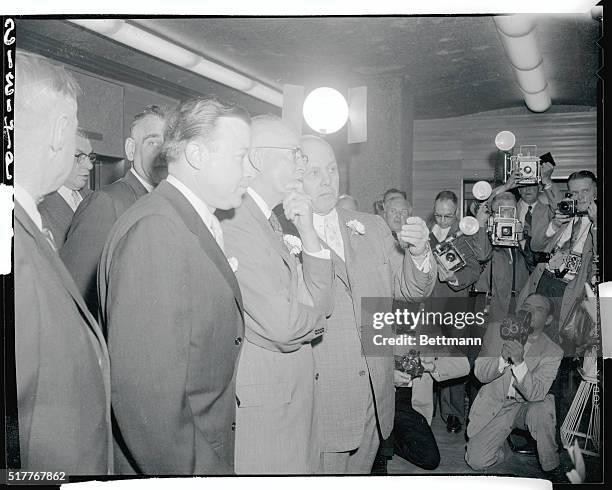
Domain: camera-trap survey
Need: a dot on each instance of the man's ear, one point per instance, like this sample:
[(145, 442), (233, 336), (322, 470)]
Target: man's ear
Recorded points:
[(196, 154), (60, 132), (254, 160), (549, 320), (130, 147)]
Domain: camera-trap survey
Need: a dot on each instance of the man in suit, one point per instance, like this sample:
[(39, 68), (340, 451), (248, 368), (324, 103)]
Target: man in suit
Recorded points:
[(96, 215), (356, 391), (57, 209), (516, 380), (452, 285), (62, 365), (171, 304), (285, 306), (397, 210)]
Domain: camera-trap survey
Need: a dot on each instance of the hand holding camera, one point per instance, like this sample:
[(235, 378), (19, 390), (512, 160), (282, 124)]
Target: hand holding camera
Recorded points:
[(513, 351), (416, 234), (592, 212), (561, 219), (445, 275)]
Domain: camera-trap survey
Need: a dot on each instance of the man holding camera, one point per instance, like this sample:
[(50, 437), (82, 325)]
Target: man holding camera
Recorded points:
[(458, 269), (517, 377)]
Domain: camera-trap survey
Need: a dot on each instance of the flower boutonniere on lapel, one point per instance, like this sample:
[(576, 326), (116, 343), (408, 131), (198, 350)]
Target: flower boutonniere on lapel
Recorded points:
[(293, 243), (356, 227), (233, 263)]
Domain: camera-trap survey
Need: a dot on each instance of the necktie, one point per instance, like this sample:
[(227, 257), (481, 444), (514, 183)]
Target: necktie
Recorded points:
[(332, 235), (217, 232), (76, 199), (276, 226), (526, 242), (49, 237), (528, 215)]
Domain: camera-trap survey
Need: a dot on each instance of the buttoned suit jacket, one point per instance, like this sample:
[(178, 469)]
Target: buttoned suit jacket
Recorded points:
[(173, 313), (574, 291), (372, 269), (285, 302), (542, 359), (62, 365), (57, 215), (89, 230)]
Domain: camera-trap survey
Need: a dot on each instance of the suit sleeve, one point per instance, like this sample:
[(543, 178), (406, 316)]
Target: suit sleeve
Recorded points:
[(276, 319), (451, 367), (535, 384), (486, 366), (84, 243), (149, 328), (481, 245), (318, 279), (408, 281), (539, 224)]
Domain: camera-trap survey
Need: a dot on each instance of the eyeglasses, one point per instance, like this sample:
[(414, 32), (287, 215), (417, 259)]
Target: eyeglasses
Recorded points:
[(81, 158), (296, 153), (444, 216)]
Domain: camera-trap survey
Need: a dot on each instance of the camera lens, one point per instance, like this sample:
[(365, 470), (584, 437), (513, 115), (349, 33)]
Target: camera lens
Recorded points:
[(450, 257), (506, 231), (526, 170), (564, 206)]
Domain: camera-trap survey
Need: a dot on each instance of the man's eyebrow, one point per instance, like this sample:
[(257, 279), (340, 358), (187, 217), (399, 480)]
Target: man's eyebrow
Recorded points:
[(152, 135)]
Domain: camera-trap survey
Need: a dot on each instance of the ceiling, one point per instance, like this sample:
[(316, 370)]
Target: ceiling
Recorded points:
[(453, 65)]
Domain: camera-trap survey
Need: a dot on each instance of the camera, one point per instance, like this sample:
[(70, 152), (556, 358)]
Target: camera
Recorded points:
[(504, 228), (569, 206), (448, 256), (516, 327), (410, 363), (527, 164)]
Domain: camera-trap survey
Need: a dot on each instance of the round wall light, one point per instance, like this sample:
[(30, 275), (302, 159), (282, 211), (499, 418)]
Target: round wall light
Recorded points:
[(325, 110)]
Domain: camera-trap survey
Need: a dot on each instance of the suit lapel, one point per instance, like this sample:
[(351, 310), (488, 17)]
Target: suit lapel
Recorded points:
[(199, 229), (66, 279), (349, 251), (265, 226), (138, 189)]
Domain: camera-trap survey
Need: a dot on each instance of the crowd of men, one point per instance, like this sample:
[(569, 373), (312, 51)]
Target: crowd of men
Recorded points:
[(202, 314)]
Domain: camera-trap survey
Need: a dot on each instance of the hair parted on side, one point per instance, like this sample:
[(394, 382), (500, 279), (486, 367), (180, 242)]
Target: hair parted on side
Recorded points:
[(447, 196), (196, 118), (393, 190), (582, 174), (150, 110), (38, 81)]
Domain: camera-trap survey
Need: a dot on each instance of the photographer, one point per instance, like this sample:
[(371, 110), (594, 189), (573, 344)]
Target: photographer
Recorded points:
[(516, 378)]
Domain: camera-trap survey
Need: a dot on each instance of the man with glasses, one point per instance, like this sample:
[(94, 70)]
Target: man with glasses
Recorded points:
[(286, 285), (57, 209), (99, 211), (451, 285)]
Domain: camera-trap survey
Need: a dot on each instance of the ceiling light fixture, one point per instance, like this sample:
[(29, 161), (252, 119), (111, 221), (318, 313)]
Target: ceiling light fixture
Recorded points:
[(325, 110), (142, 40)]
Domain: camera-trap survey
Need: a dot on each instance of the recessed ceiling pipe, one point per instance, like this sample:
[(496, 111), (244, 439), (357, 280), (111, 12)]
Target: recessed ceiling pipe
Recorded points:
[(142, 40), (517, 34)]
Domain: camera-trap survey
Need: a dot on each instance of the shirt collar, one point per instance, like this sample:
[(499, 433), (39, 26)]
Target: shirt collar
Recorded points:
[(200, 206), (261, 204), (66, 194), (28, 204), (146, 185), (319, 219)]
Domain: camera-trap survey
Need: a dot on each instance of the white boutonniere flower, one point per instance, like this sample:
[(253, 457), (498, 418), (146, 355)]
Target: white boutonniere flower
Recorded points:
[(293, 243), (233, 263), (356, 227)]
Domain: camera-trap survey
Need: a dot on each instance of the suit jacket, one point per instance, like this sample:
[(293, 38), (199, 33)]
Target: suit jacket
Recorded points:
[(285, 302), (542, 359), (422, 388), (541, 214), (173, 314), (57, 215), (574, 291), (372, 268), (62, 365), (90, 226)]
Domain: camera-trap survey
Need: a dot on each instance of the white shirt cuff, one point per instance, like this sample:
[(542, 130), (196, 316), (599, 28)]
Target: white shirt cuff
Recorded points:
[(324, 253), (454, 283), (519, 371), (550, 231), (425, 262), (503, 364)]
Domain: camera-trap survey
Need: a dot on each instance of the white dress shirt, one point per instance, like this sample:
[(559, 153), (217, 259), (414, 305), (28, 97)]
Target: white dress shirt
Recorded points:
[(265, 209), (204, 210), (146, 185), (73, 198), (440, 233)]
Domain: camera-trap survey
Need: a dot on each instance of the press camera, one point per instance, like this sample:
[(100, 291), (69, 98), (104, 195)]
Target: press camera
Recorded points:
[(516, 327), (504, 228), (448, 256), (569, 206), (527, 163)]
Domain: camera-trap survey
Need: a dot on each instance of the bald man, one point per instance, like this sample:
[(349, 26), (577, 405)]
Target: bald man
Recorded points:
[(357, 390), (57, 209), (286, 286)]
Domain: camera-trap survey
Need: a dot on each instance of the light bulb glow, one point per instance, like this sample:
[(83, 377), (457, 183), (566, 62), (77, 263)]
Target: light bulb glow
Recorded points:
[(325, 110)]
